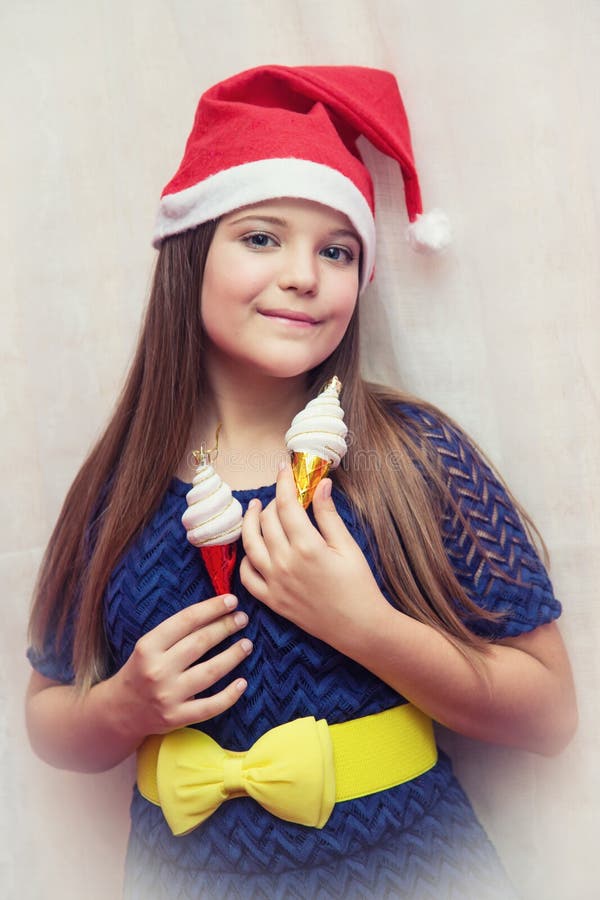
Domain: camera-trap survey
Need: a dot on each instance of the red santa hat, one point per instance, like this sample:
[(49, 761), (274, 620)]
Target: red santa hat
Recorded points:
[(279, 131)]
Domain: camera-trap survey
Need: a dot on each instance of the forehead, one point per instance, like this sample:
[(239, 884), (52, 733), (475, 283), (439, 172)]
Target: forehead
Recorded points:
[(290, 211)]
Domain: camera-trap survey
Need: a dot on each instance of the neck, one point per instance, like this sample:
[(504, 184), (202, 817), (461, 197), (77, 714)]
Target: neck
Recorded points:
[(249, 410), (254, 412)]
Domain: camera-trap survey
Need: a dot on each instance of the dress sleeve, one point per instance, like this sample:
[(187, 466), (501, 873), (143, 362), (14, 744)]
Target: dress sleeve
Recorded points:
[(55, 662), (487, 544)]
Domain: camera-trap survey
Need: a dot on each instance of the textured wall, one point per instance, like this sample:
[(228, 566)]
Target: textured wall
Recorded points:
[(502, 332)]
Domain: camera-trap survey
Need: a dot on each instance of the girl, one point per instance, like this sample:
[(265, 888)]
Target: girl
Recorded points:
[(411, 593)]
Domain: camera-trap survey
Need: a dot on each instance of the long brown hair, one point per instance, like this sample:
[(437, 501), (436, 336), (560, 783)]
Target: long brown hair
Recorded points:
[(123, 479)]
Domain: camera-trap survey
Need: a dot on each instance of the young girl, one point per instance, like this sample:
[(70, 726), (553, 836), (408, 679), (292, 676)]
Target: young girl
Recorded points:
[(410, 592)]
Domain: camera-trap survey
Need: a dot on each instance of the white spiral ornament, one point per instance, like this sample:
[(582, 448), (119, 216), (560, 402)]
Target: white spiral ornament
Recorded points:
[(214, 516), (319, 429)]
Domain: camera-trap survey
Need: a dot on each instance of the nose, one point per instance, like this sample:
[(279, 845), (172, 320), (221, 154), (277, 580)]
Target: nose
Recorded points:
[(299, 271)]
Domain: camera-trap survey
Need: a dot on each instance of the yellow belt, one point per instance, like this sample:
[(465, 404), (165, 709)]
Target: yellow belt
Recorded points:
[(297, 771)]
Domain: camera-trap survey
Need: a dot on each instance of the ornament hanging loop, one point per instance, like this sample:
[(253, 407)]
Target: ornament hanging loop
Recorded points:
[(204, 457)]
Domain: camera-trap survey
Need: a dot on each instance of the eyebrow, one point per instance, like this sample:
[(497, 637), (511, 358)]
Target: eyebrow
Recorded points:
[(273, 220)]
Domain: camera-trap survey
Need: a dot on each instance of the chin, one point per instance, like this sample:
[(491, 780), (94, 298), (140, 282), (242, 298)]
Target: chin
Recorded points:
[(287, 365), (286, 371)]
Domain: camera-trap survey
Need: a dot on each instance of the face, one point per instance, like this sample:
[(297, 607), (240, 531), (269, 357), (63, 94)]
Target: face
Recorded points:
[(280, 286)]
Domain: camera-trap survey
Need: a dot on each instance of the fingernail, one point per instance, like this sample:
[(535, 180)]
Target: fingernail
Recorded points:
[(326, 488), (241, 685), (246, 645), (230, 601), (254, 503), (240, 618)]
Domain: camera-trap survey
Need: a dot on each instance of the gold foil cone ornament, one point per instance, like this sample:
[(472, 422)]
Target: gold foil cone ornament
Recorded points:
[(308, 471), (316, 440)]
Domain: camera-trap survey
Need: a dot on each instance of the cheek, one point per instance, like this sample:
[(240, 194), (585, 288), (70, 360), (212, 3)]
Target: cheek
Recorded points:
[(220, 295), (339, 323), (344, 307), (232, 285), (345, 303), (218, 282)]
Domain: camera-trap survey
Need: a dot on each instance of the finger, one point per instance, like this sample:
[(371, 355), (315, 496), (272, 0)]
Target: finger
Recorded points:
[(189, 620), (207, 708), (207, 673), (329, 522), (272, 530), (252, 539), (292, 516), (195, 645), (252, 580)]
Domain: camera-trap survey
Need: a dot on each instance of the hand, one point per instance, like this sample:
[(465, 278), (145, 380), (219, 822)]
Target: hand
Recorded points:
[(317, 578), (154, 691)]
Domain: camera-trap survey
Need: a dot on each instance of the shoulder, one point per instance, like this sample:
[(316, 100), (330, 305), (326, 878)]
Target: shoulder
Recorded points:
[(438, 437), (453, 456), (418, 416), (459, 477), (488, 536)]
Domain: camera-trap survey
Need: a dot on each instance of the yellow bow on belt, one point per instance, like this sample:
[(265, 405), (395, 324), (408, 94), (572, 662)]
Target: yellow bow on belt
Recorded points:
[(289, 771)]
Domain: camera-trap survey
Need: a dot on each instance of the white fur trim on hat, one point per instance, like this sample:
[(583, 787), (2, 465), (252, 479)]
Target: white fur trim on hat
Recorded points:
[(267, 179), (430, 232)]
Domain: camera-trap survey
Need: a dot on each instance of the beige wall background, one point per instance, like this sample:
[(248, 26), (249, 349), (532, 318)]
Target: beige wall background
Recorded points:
[(502, 332)]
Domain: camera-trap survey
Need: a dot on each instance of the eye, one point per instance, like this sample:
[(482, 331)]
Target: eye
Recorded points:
[(259, 239), (338, 254)]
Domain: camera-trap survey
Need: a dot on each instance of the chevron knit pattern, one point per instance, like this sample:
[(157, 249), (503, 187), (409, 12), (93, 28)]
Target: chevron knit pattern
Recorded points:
[(418, 840), (444, 855), (490, 551)]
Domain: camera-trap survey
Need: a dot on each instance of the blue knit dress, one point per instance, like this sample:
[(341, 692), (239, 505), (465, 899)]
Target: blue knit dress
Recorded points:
[(418, 840)]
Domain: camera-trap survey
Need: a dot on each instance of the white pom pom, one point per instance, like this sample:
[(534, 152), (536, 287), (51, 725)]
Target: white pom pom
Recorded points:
[(430, 232)]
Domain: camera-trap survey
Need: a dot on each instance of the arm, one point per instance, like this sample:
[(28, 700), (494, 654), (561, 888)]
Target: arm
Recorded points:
[(153, 693), (520, 693), (72, 732)]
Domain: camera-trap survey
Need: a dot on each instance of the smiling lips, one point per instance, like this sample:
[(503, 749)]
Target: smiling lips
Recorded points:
[(289, 315)]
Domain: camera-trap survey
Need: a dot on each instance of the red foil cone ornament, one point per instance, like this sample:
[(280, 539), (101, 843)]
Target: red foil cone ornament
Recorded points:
[(219, 561)]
